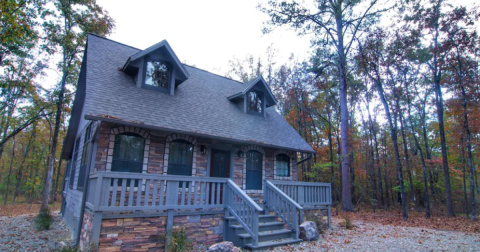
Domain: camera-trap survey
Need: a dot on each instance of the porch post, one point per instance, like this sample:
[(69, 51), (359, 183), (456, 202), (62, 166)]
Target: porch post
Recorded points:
[(171, 200), (96, 227)]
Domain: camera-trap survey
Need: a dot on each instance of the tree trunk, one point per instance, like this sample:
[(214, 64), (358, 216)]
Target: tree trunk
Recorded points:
[(469, 154), (465, 196), (407, 159), (377, 155), (54, 194), (330, 146), (53, 151), (393, 135), (9, 172)]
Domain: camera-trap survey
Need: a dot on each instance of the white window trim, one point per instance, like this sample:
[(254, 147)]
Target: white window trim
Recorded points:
[(129, 129)]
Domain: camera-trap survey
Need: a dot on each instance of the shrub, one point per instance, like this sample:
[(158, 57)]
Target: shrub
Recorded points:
[(178, 242), (68, 248), (43, 220), (347, 223)]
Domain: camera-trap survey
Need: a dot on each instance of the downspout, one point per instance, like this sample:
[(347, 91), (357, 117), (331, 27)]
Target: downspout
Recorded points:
[(310, 155), (93, 150)]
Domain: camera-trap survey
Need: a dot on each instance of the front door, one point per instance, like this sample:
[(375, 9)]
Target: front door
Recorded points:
[(219, 168)]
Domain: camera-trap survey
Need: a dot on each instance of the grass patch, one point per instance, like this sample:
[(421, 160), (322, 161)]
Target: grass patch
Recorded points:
[(43, 220), (179, 242)]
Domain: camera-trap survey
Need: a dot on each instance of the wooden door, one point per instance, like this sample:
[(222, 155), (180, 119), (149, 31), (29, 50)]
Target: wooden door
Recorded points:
[(219, 168)]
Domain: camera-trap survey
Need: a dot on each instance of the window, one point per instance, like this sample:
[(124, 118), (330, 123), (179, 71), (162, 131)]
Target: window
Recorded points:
[(157, 74), (128, 153), (85, 152), (254, 170), (180, 158), (254, 101), (74, 163), (283, 165)]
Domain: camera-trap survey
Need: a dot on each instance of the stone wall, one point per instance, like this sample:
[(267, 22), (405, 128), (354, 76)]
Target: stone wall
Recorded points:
[(156, 154), (86, 233), (148, 234)]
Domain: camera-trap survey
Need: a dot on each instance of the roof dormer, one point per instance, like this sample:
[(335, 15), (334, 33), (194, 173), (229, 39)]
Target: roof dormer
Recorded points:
[(255, 98), (157, 68)]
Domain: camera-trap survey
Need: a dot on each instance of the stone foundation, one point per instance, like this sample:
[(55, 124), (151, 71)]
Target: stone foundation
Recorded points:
[(149, 234), (86, 233)]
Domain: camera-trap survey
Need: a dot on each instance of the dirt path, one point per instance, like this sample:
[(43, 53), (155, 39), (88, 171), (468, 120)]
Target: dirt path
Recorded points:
[(377, 237), (18, 234)]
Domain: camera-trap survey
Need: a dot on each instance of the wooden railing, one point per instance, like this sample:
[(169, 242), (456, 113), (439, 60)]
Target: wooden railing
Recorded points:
[(283, 206), (306, 193), (244, 209), (121, 191)]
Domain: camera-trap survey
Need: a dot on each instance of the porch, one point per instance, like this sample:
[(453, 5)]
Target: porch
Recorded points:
[(270, 222)]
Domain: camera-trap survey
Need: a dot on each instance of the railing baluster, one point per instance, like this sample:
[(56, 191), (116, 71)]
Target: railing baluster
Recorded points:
[(131, 192), (202, 193), (139, 193), (195, 194), (122, 194), (154, 194), (147, 192), (208, 199), (218, 194), (114, 193), (162, 193), (182, 201)]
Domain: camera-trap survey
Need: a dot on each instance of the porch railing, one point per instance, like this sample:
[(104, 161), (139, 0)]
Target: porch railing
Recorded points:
[(244, 209), (283, 206), (121, 191), (306, 193)]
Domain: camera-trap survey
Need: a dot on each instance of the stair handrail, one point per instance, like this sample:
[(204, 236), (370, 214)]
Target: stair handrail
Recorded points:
[(271, 203), (244, 209)]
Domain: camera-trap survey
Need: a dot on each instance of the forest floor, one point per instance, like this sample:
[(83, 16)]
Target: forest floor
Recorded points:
[(386, 231)]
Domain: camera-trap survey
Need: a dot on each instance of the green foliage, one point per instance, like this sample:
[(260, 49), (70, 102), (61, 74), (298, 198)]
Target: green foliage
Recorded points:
[(69, 248), (43, 220), (347, 223), (178, 242)]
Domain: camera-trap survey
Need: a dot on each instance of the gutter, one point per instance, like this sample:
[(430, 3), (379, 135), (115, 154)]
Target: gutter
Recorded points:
[(310, 155), (85, 183)]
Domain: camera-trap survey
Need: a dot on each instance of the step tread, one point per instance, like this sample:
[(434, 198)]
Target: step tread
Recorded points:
[(267, 233), (261, 224), (267, 244), (260, 216)]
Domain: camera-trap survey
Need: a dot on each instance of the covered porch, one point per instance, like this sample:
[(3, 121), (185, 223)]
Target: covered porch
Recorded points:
[(121, 195)]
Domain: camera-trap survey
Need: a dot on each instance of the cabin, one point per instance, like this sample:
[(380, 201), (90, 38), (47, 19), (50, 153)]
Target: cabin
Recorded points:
[(155, 147)]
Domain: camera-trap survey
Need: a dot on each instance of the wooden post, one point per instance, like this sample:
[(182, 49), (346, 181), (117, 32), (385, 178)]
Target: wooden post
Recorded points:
[(98, 193), (255, 228), (96, 227), (301, 195), (171, 201)]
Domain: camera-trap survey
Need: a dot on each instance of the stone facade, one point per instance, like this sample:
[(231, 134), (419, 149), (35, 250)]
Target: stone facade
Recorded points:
[(148, 234), (157, 149), (86, 233)]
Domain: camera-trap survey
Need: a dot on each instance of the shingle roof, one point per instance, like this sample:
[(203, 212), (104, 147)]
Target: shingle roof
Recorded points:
[(199, 106)]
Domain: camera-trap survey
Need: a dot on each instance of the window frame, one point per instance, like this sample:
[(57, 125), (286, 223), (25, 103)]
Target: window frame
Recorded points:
[(277, 161), (170, 164), (170, 73), (84, 159), (73, 168), (115, 149), (247, 170), (261, 95)]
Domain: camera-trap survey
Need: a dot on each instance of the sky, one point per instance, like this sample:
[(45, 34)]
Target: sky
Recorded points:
[(206, 34)]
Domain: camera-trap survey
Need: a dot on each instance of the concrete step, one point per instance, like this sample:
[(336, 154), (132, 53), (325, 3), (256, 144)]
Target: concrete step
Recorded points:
[(261, 219), (274, 243)]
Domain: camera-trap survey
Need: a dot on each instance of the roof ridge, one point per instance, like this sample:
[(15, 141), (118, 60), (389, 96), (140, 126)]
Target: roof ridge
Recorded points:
[(102, 37), (213, 73)]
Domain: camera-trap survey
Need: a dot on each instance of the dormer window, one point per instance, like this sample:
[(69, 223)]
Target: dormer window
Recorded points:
[(254, 101), (157, 74)]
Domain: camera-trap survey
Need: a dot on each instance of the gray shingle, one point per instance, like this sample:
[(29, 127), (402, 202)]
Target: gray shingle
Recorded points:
[(200, 104)]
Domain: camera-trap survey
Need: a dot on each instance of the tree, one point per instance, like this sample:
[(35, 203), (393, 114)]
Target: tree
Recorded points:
[(67, 31), (335, 24)]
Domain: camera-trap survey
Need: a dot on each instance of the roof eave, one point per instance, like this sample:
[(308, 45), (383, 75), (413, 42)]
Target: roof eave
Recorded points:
[(197, 134)]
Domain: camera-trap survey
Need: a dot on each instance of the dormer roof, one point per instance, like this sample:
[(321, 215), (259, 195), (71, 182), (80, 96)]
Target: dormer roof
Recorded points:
[(163, 45), (258, 83)]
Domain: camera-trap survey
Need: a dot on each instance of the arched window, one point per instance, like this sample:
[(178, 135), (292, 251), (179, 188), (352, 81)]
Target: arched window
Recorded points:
[(180, 158), (283, 165), (128, 153), (254, 170)]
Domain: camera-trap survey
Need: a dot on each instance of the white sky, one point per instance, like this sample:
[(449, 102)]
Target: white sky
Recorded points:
[(205, 33)]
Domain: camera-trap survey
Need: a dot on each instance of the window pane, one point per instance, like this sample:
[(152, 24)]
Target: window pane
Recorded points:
[(157, 74), (254, 100), (128, 153), (283, 165), (180, 158), (254, 170)]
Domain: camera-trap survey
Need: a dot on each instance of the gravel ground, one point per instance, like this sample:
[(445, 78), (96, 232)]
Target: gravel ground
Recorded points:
[(378, 237), (19, 234)]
